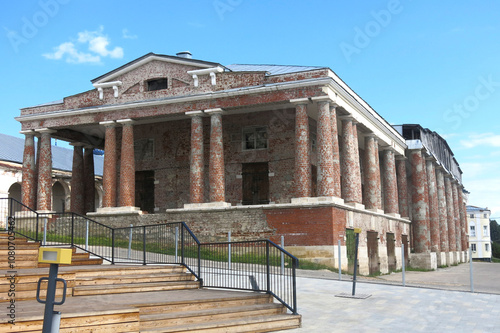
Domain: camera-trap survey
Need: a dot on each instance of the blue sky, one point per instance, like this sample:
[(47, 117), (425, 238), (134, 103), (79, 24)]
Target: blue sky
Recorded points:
[(435, 63)]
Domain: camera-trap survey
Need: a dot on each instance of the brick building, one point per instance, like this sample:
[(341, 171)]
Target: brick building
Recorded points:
[(258, 150)]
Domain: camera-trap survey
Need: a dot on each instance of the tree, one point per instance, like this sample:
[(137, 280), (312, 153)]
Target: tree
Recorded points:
[(494, 231)]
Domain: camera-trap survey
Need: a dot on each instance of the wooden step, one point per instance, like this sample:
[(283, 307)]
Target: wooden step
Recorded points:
[(140, 278), (113, 270), (77, 262), (200, 304), (134, 288), (213, 314), (253, 324)]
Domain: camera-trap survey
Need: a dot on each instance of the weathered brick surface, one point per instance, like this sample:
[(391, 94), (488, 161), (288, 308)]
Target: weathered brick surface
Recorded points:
[(337, 191), (433, 207), (29, 184), (391, 203), (216, 168), (77, 181), (442, 211), (351, 178), (402, 186), (89, 179), (456, 217), (420, 220), (197, 160), (302, 175), (109, 171), (372, 189), (325, 151), (463, 218), (127, 167), (44, 196), (451, 213)]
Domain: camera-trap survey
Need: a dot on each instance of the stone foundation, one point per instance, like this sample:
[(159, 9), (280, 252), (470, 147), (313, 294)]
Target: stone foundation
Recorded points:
[(424, 260)]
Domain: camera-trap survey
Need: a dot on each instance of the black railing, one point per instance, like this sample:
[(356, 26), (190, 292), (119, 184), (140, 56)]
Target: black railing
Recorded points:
[(258, 265)]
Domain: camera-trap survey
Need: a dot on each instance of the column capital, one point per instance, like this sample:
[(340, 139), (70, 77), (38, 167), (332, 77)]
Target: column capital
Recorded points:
[(124, 122), (108, 123), (401, 158), (77, 144), (27, 132), (198, 113), (300, 101), (322, 99), (214, 111), (45, 131)]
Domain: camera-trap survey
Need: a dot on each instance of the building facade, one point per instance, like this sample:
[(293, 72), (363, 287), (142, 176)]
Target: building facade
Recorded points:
[(479, 232), (11, 176), (261, 151)]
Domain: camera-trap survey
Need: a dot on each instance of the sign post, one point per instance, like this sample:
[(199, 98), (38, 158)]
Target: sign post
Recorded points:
[(54, 257), (357, 231)]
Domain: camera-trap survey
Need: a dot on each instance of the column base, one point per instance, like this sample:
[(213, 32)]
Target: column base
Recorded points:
[(116, 211), (424, 260), (317, 200), (375, 210), (356, 205), (207, 205), (441, 259)]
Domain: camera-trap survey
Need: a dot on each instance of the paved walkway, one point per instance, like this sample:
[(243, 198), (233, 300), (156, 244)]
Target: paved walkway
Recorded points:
[(393, 308)]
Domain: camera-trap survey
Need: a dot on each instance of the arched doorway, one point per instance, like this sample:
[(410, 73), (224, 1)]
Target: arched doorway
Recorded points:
[(58, 198), (15, 191)]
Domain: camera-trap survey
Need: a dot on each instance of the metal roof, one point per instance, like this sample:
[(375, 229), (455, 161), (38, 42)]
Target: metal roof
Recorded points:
[(475, 208), (12, 149), (271, 69)]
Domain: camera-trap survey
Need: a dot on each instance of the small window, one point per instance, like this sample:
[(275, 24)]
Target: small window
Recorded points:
[(157, 84), (487, 247), (254, 138), (473, 247), (471, 216), (473, 231), (485, 230), (485, 216)]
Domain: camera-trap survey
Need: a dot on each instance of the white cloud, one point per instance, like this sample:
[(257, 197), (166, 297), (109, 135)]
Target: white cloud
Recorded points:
[(97, 46), (127, 35), (484, 139)]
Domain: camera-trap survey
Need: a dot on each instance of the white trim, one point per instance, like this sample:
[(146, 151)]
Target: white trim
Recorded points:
[(148, 59), (205, 71)]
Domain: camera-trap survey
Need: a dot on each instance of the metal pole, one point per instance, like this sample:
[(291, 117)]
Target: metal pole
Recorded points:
[(355, 265), (471, 275), (87, 235), (56, 322), (44, 231), (282, 255), (130, 242), (144, 245), (403, 266), (49, 300), (176, 242), (229, 248), (340, 261)]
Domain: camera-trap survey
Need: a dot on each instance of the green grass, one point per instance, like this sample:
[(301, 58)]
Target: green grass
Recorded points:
[(495, 260)]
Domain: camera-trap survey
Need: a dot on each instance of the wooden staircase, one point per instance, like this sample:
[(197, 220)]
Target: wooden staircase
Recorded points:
[(26, 254), (112, 298)]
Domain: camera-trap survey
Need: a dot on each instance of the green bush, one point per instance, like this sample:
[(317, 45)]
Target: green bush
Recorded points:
[(495, 247)]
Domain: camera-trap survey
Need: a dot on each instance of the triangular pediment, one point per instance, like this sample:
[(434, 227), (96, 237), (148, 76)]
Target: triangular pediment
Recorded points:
[(120, 71)]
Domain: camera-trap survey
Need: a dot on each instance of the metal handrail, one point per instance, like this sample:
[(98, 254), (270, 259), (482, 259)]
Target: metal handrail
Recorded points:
[(259, 265)]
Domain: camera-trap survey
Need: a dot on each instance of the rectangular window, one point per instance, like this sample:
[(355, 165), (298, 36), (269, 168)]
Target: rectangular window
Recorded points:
[(485, 216), (157, 84), (485, 230), (471, 216), (254, 138), (473, 247), (473, 231), (487, 247)]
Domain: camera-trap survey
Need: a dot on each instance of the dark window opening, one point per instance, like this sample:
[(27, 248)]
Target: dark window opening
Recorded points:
[(157, 84), (254, 138)]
